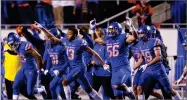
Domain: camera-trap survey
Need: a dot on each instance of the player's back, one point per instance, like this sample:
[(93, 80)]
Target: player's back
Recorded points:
[(28, 60), (118, 51), (74, 50)]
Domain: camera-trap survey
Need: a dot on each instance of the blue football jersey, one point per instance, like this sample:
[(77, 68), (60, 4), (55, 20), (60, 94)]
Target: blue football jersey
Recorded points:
[(57, 54), (118, 51), (28, 61), (74, 50), (98, 69), (147, 50)]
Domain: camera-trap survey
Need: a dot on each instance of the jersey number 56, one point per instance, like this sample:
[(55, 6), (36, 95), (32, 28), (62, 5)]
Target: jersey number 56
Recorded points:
[(113, 50)]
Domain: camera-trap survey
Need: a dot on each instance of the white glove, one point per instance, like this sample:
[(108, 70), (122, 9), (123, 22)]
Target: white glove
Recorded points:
[(56, 72), (45, 72), (42, 70), (106, 67), (143, 67), (179, 80), (128, 24), (92, 24)]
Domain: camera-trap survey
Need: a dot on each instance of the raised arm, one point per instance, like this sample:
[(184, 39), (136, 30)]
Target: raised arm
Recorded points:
[(132, 34), (36, 42), (47, 33)]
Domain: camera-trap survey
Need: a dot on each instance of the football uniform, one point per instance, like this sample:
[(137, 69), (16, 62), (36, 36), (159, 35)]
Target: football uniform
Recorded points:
[(102, 77), (156, 72), (28, 71), (59, 61), (74, 50), (118, 52)]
